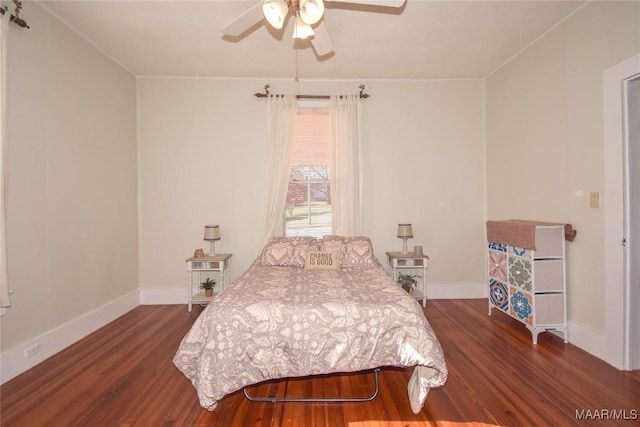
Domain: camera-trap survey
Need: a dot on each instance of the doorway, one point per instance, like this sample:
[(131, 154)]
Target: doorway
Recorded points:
[(621, 95), (632, 121)]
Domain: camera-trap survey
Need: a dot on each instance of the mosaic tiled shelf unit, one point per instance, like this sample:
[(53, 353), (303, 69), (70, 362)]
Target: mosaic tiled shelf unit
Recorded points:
[(530, 284)]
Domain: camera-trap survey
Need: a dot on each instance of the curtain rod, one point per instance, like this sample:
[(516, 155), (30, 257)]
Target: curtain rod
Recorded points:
[(266, 93), (15, 18)]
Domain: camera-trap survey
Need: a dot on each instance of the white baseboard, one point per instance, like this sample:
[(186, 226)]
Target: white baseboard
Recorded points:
[(593, 342), (13, 361), (589, 340), (434, 290)]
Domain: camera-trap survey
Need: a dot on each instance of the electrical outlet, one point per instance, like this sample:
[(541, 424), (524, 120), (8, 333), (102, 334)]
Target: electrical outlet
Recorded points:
[(31, 351), (594, 200)]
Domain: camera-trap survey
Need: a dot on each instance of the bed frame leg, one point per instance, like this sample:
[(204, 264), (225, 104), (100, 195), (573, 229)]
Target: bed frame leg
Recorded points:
[(318, 399)]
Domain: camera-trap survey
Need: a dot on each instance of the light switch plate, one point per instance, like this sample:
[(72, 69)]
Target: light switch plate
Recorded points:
[(594, 200)]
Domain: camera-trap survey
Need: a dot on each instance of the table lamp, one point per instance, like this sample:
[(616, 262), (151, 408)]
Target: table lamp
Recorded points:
[(405, 232), (212, 233)]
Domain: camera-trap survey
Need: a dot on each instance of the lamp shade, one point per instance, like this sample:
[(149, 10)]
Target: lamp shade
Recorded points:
[(405, 230), (275, 11), (211, 232), (311, 11)]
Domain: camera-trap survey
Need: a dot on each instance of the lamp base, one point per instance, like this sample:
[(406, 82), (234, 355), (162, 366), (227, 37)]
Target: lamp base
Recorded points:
[(212, 250), (404, 245)]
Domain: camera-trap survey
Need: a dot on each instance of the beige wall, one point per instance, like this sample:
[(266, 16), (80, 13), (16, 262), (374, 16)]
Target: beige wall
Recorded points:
[(202, 160), (544, 138), (76, 187), (72, 209)]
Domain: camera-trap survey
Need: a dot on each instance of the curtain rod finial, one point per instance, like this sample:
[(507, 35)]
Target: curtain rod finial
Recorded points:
[(362, 94)]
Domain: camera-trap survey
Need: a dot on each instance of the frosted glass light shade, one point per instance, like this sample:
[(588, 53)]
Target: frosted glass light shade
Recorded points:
[(275, 11), (311, 11)]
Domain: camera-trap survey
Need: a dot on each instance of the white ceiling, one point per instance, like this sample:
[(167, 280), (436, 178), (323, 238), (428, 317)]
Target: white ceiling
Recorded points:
[(422, 40)]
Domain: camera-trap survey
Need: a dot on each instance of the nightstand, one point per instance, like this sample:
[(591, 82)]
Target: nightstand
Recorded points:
[(417, 265), (200, 268)]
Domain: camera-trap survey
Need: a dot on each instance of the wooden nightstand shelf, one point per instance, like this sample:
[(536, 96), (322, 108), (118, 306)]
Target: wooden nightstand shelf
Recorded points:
[(200, 268), (417, 264)]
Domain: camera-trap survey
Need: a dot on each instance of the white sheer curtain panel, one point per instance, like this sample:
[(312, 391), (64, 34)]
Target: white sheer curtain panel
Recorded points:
[(5, 300), (346, 165), (281, 123)]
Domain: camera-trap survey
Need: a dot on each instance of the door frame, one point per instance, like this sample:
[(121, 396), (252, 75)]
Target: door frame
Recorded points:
[(616, 253)]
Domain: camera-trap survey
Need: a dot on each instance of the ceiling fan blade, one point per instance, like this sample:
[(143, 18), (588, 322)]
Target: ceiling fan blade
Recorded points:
[(386, 3), (321, 41), (245, 21)]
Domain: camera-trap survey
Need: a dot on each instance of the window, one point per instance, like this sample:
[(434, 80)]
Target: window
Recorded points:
[(308, 207)]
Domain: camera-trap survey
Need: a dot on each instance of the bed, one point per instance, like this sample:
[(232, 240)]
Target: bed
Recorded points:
[(309, 307)]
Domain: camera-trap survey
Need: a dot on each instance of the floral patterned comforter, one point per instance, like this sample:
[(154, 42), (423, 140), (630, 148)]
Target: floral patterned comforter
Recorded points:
[(276, 322)]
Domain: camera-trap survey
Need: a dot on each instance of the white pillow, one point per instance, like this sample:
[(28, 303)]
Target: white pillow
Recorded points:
[(287, 251)]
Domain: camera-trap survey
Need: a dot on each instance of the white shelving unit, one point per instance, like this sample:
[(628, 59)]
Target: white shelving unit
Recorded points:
[(198, 269), (416, 265), (530, 284)]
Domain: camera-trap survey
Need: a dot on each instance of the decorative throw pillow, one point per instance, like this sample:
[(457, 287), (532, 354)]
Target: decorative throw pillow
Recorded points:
[(332, 239), (287, 251), (333, 243), (358, 252), (322, 260)]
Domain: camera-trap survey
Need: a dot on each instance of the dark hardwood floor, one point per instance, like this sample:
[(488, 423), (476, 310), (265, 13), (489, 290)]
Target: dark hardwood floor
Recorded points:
[(122, 375)]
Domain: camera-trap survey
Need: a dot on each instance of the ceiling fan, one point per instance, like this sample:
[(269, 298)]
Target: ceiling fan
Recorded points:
[(308, 15)]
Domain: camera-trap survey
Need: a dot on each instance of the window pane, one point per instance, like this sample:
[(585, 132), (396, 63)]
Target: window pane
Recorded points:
[(311, 146), (308, 206)]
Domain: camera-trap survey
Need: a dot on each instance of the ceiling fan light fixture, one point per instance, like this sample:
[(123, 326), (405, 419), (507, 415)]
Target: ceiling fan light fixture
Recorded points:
[(302, 30), (275, 11), (311, 11)]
